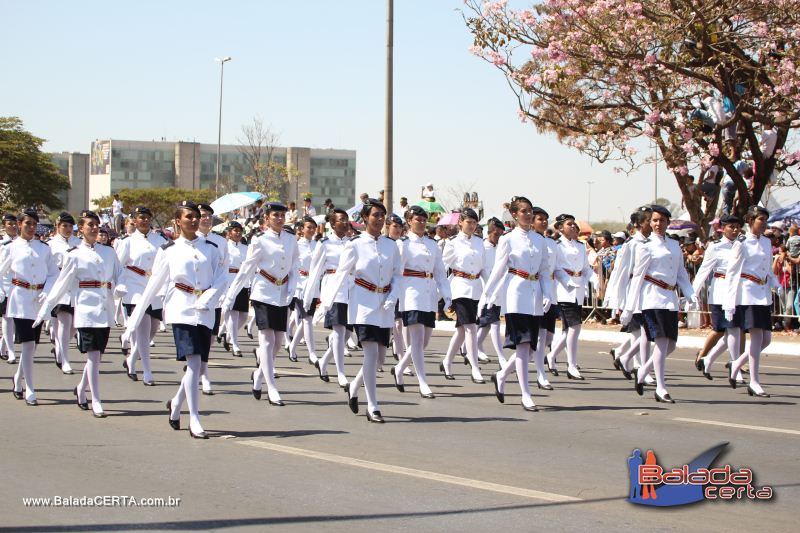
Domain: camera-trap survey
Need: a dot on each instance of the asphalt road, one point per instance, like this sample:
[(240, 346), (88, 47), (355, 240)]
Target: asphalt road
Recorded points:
[(461, 461)]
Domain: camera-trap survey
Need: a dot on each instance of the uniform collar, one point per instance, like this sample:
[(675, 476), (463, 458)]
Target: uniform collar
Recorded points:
[(270, 231), (659, 237), (365, 234), (521, 231), (87, 245), (414, 237), (192, 242), (335, 237)]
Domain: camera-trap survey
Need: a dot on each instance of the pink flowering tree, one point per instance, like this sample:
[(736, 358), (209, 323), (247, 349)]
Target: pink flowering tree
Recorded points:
[(709, 82)]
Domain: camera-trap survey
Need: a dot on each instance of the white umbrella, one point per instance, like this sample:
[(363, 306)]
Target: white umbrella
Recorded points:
[(234, 200)]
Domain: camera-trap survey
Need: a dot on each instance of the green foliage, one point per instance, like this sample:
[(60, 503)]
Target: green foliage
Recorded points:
[(28, 177), (161, 202)]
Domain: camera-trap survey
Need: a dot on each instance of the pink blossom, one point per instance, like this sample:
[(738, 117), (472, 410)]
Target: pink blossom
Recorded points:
[(683, 170), (476, 50), (653, 117), (688, 148), (650, 59)]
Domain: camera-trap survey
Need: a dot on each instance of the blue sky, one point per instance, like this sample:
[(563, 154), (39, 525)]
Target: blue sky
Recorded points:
[(314, 70)]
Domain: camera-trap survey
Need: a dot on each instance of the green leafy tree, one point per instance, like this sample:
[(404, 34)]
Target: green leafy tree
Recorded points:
[(161, 202), (28, 176)]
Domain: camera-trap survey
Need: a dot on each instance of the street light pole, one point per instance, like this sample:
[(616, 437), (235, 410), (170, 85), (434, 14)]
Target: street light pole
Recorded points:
[(219, 126), (388, 173), (589, 203)]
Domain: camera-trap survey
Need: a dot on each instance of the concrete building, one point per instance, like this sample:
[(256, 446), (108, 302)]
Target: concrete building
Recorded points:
[(74, 166), (125, 164)]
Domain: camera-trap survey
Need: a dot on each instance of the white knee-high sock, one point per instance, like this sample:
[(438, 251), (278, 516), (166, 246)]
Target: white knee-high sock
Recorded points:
[(398, 339), (92, 373), (559, 344), (455, 344), (497, 341), (626, 356), (644, 348), (369, 372), (192, 392), (25, 370), (205, 382), (538, 356), (619, 350), (268, 345), (471, 341), (521, 366), (572, 348), (233, 329), (657, 362), (416, 353), (8, 337), (722, 344), (62, 334)]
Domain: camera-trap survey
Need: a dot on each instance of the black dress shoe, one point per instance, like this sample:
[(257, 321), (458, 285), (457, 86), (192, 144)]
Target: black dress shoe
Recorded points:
[(375, 417), (500, 396), (324, 377), (530, 408), (478, 381), (201, 435), (570, 376), (174, 424), (226, 344), (625, 373), (636, 385), (429, 396), (351, 402), (617, 364), (698, 364), (124, 350), (396, 357), (401, 388), (279, 403), (731, 380), (553, 370), (101, 414), (237, 353), (83, 406), (32, 403), (446, 375), (208, 392), (545, 387), (17, 395), (4, 356), (665, 399), (751, 392), (292, 358), (613, 353), (219, 338)]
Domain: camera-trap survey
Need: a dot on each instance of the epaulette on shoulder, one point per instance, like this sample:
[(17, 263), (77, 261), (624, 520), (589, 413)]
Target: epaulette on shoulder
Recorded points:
[(167, 245), (9, 241), (355, 237), (324, 239), (124, 236), (741, 238), (73, 248), (212, 243), (43, 243), (404, 238), (449, 238), (259, 234), (646, 240)]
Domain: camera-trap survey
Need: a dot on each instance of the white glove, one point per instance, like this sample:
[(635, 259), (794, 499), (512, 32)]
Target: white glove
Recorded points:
[(694, 301), (125, 338), (729, 314), (546, 304), (448, 303), (625, 317), (388, 305), (2, 296), (41, 297), (319, 314), (37, 322), (201, 306), (227, 305)]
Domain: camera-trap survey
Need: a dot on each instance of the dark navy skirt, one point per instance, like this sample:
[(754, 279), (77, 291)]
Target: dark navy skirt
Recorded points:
[(271, 316), (3, 305), (755, 317), (191, 340), (570, 314), (660, 323), (548, 321), (634, 325), (489, 316), (520, 329), (242, 301), (25, 332), (62, 308), (154, 313), (426, 318), (336, 316), (718, 321), (297, 304), (93, 339), (466, 311), (369, 333)]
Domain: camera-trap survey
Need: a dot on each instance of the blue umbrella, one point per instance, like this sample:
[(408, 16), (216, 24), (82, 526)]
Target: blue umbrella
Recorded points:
[(790, 212), (234, 200)]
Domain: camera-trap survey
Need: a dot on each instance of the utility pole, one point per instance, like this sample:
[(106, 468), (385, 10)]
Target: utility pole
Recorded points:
[(388, 174)]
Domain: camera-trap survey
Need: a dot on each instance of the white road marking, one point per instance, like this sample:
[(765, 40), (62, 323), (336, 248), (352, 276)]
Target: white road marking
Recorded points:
[(411, 472), (738, 426)]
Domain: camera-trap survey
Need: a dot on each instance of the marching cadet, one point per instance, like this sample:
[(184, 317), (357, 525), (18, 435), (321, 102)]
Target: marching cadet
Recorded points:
[(305, 329), (206, 223), (395, 231), (573, 274), (273, 257), (89, 273), (464, 256), (715, 266), (374, 261), (489, 319), (547, 323), (7, 342), (324, 262), (749, 282), (521, 282), (422, 274), (190, 268), (237, 251), (658, 270), (137, 254), (63, 312), (30, 264)]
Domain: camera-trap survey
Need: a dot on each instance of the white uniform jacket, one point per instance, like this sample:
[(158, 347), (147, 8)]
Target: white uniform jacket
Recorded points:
[(58, 248), (572, 271), (619, 280), (324, 262), (5, 281), (305, 250), (715, 266), (137, 255), (237, 252), (271, 268), (421, 254), (98, 269), (489, 253), (749, 278), (660, 259), (465, 255), (376, 262), (31, 264), (193, 265), (525, 252)]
